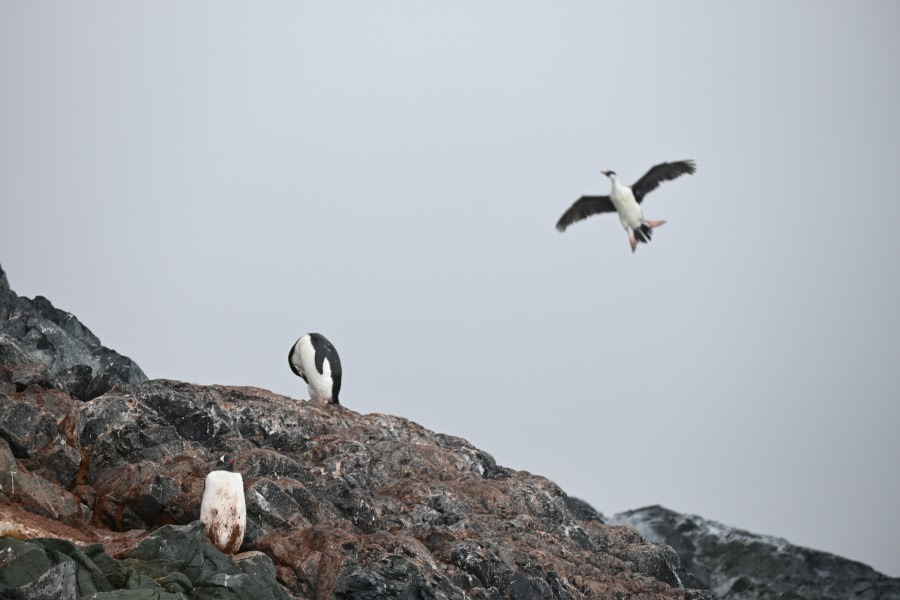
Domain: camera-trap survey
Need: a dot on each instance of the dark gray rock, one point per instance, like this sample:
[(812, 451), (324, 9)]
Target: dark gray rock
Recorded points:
[(25, 427), (144, 594), (22, 562), (40, 570), (182, 549), (89, 578), (176, 583), (582, 509), (117, 574), (271, 509), (42, 345), (205, 572), (175, 562), (11, 593), (46, 498), (256, 564), (739, 565), (59, 582)]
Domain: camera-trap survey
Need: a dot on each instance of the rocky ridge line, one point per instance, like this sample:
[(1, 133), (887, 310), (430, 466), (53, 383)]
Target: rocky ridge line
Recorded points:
[(344, 505), (739, 565)]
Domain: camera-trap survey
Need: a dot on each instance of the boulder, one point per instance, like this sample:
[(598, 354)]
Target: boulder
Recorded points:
[(172, 563)]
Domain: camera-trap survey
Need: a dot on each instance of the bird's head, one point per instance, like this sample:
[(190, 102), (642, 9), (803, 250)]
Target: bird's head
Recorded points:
[(609, 174), (227, 461)]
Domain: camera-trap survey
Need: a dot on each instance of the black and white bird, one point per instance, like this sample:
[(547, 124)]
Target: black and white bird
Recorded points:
[(314, 359), (627, 201), (223, 509)]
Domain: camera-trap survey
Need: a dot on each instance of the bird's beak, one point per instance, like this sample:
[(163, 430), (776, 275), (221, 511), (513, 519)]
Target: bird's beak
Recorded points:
[(605, 173)]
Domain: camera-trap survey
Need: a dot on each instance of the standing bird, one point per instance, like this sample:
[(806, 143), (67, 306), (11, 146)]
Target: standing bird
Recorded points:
[(315, 360), (223, 509), (626, 201)]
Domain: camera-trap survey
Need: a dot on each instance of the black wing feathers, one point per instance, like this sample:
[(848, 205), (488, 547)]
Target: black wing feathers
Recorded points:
[(666, 171), (324, 349), (583, 208), (336, 387), (320, 350)]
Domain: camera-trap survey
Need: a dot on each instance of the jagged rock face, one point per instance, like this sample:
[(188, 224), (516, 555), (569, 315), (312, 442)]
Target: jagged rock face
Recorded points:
[(739, 565), (346, 505), (44, 345)]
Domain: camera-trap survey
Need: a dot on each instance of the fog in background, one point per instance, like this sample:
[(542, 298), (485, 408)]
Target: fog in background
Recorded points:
[(202, 183)]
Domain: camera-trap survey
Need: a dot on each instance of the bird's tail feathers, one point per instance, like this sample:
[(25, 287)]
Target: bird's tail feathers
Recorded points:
[(643, 233)]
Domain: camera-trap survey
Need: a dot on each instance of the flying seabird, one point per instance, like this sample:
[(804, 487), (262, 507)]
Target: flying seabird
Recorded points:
[(314, 359), (223, 509), (626, 201)]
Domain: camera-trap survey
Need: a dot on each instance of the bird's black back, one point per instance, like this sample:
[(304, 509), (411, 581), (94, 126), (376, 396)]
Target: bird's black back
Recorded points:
[(325, 349)]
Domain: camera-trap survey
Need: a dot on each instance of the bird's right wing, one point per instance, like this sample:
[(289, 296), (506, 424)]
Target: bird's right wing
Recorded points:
[(666, 171), (583, 208)]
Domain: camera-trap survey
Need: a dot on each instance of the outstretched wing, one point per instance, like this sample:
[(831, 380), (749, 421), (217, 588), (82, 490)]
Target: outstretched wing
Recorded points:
[(662, 172), (583, 208)]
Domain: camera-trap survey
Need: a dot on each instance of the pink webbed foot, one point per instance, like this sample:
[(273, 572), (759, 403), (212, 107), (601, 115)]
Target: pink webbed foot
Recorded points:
[(633, 242), (654, 224)]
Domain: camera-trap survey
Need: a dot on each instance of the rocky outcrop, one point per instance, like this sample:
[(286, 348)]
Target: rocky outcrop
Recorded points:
[(45, 346), (111, 467), (347, 505), (739, 565)]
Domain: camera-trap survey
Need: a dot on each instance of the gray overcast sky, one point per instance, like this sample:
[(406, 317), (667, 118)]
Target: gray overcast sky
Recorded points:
[(201, 183)]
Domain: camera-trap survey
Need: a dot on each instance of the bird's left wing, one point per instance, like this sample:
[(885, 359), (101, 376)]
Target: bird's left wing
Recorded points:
[(662, 172), (583, 208)]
